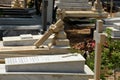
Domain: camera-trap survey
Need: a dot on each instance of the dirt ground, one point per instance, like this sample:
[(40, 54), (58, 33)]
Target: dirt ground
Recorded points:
[(78, 35)]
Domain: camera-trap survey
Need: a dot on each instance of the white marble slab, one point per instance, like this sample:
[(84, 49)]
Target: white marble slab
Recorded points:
[(44, 76), (26, 36), (68, 63), (17, 41)]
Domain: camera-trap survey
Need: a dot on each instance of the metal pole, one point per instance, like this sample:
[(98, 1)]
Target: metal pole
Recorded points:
[(44, 15)]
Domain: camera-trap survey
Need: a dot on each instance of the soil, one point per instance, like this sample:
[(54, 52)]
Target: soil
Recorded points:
[(78, 35)]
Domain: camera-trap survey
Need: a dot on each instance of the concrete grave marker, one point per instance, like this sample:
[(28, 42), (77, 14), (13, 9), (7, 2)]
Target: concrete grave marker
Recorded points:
[(67, 63)]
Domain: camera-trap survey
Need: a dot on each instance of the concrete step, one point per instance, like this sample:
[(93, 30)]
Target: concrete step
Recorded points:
[(20, 27), (61, 42), (18, 21), (7, 12)]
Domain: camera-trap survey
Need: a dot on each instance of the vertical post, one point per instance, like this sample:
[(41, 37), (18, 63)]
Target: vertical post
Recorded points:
[(99, 40), (111, 6), (25, 3), (44, 15), (98, 5)]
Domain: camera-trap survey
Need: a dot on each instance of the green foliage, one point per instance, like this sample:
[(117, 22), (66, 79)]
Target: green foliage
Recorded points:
[(110, 56)]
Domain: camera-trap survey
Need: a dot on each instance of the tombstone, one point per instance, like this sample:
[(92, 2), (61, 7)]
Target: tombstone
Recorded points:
[(46, 67), (68, 63)]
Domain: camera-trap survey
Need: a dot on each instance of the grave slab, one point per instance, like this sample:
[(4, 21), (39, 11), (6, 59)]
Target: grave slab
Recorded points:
[(44, 76), (23, 40), (67, 63)]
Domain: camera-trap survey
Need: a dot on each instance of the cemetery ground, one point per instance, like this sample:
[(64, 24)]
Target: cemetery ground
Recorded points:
[(81, 40)]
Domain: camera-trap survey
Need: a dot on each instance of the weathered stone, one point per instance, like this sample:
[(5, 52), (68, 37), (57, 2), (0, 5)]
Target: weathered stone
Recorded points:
[(67, 63), (61, 42), (26, 36), (61, 35), (45, 76), (17, 41)]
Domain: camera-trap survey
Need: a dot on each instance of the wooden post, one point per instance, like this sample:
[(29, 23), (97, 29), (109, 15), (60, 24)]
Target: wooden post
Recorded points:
[(99, 38), (53, 28)]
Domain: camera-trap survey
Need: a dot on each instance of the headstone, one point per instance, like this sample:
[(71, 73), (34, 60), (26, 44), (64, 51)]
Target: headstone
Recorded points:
[(67, 63)]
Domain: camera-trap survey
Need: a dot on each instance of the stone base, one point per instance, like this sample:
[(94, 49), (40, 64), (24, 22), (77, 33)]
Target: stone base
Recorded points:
[(44, 76)]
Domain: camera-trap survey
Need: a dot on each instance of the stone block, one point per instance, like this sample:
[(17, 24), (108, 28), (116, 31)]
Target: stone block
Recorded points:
[(45, 76), (67, 63), (18, 41), (26, 36), (61, 35), (61, 42), (59, 49)]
